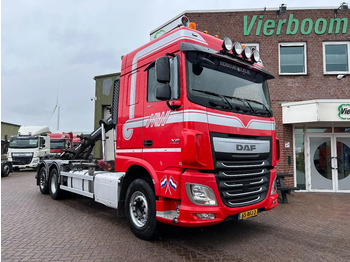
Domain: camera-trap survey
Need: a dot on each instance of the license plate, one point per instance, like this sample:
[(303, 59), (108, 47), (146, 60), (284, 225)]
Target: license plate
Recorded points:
[(247, 214)]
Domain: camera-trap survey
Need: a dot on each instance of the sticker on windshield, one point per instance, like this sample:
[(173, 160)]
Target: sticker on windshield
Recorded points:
[(241, 70)]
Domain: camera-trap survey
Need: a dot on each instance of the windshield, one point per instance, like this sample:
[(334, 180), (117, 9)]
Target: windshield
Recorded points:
[(219, 84), (23, 142), (57, 144)]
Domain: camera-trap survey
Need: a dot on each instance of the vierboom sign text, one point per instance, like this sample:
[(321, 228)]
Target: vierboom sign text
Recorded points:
[(292, 25)]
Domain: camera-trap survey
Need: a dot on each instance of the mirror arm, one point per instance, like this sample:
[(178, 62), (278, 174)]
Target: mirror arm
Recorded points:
[(173, 105)]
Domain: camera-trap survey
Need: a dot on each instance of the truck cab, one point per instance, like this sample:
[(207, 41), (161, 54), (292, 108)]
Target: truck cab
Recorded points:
[(29, 146), (195, 119), (59, 142)]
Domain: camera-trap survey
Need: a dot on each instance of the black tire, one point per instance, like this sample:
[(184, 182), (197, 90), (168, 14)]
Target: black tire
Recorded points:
[(140, 209), (5, 169), (54, 186), (43, 182)]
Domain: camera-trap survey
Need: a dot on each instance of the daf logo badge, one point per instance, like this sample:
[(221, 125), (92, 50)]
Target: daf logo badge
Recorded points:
[(240, 147)]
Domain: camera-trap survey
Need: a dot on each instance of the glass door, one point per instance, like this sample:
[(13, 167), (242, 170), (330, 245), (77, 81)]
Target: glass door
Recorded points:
[(329, 160), (321, 164), (342, 162)]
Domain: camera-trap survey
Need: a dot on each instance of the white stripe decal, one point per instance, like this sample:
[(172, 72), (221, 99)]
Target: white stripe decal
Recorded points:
[(200, 117), (150, 150)]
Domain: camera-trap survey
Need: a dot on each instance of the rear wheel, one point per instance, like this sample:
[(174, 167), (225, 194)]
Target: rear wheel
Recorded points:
[(140, 209), (54, 186), (43, 182)]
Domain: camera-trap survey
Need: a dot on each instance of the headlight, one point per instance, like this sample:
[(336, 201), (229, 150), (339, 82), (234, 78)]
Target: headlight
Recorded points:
[(201, 195), (273, 188)]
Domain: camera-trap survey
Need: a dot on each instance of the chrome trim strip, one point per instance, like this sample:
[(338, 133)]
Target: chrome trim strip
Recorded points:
[(246, 174), (245, 203), (245, 193)]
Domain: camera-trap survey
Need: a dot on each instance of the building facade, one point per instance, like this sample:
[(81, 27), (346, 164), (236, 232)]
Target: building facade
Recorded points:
[(7, 130), (308, 51)]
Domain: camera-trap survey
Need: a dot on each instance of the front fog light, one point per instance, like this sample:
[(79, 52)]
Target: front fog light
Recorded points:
[(205, 216), (201, 195)]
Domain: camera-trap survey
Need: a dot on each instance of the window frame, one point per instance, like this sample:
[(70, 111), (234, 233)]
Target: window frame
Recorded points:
[(292, 44), (252, 44), (151, 66), (325, 72)]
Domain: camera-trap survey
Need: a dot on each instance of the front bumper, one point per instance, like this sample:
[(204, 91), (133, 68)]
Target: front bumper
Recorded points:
[(189, 214)]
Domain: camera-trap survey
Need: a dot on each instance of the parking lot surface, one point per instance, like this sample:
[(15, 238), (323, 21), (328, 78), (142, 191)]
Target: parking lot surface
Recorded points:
[(312, 227)]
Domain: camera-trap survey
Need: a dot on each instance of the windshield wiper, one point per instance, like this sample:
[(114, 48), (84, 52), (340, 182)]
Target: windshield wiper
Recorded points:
[(215, 94), (259, 103)]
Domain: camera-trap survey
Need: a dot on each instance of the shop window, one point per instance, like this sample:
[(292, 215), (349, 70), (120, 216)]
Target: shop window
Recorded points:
[(319, 130), (300, 161), (292, 59), (336, 57), (342, 130)]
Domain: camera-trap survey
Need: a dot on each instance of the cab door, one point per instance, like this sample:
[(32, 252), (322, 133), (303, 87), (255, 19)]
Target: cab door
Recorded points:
[(163, 127)]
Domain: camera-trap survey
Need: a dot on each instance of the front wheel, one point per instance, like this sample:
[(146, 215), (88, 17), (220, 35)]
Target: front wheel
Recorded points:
[(140, 209), (54, 186), (5, 169)]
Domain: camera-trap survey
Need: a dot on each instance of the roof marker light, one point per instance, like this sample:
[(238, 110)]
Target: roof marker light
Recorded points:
[(227, 45)]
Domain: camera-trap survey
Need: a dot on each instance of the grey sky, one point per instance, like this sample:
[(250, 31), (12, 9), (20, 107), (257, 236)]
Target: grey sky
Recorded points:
[(56, 47)]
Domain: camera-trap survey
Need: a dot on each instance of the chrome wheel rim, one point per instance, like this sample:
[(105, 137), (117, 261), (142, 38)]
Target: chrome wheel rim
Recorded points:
[(53, 184), (42, 179), (138, 209)]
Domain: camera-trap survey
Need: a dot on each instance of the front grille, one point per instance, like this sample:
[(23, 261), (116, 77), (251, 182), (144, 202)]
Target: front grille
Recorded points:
[(22, 160), (243, 178), (241, 187)]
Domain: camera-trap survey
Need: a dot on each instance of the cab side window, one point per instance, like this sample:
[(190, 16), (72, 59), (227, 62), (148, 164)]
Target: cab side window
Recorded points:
[(152, 82)]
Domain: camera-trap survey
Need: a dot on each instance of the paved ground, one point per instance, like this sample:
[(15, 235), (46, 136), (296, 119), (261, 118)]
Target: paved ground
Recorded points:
[(312, 227)]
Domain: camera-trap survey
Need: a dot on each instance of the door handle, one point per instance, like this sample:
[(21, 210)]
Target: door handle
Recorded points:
[(148, 143), (331, 162)]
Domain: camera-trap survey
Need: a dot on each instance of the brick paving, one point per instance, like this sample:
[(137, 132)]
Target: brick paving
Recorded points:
[(312, 227)]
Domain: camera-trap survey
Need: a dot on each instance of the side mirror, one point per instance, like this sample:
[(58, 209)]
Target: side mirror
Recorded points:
[(163, 92), (163, 69)]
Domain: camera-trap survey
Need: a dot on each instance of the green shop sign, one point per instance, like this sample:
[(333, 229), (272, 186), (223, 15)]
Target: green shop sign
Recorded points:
[(344, 111), (257, 24)]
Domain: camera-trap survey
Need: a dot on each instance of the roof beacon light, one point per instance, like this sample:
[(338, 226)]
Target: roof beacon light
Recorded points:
[(256, 56), (192, 26), (237, 48), (185, 21), (247, 52), (227, 45)]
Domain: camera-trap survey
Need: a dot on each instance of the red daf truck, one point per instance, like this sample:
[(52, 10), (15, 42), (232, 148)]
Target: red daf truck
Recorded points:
[(195, 137), (60, 142)]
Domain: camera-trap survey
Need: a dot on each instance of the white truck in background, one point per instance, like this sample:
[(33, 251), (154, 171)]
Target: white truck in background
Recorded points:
[(29, 146)]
